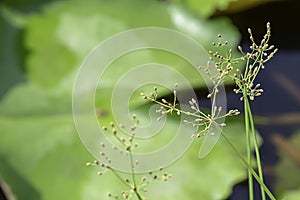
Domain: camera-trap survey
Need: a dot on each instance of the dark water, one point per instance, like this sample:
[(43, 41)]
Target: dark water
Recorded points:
[(280, 79)]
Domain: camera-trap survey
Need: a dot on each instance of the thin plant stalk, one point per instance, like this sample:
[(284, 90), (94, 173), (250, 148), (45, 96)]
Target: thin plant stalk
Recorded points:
[(249, 166), (135, 189), (248, 143), (257, 153), (119, 177)]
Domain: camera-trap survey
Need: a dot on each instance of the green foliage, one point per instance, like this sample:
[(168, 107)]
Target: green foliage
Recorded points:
[(40, 152), (45, 151), (71, 30), (205, 8), (288, 184)]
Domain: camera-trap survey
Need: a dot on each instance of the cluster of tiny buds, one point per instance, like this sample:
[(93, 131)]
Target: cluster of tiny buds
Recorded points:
[(153, 176), (220, 43), (201, 119), (152, 96), (260, 51), (97, 163), (165, 106), (252, 92), (219, 66), (233, 112), (127, 143), (144, 180), (256, 59)]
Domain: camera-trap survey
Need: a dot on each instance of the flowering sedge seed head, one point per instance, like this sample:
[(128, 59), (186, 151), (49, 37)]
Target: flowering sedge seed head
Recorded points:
[(134, 116), (102, 144), (240, 49), (166, 176), (249, 31), (132, 128), (199, 120), (222, 124), (236, 90), (123, 139), (233, 112), (99, 173), (112, 124), (220, 109), (114, 147), (164, 101), (128, 148), (125, 195)]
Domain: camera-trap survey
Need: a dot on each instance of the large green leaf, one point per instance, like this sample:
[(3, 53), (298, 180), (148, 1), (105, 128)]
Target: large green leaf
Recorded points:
[(42, 157), (41, 154), (61, 37), (10, 55), (288, 184), (205, 7)]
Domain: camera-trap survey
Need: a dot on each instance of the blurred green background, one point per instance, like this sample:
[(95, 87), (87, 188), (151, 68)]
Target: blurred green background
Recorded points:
[(42, 44)]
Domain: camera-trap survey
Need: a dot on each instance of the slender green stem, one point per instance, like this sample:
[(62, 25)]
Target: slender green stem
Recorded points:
[(249, 166), (135, 189), (173, 108), (259, 167), (248, 142), (119, 177)]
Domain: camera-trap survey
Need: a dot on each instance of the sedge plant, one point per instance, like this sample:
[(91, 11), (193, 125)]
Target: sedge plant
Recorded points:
[(226, 66), (136, 184)]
